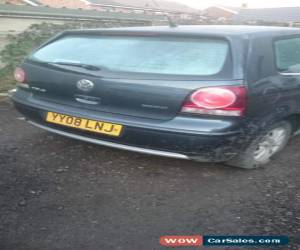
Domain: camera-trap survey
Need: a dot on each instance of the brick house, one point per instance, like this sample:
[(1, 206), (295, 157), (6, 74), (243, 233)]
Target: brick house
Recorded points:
[(124, 6), (148, 7), (71, 4)]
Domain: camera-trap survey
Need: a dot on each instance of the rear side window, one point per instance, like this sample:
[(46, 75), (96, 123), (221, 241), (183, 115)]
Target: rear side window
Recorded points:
[(287, 52), (157, 55)]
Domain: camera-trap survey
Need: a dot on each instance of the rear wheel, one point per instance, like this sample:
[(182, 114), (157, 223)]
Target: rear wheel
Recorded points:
[(270, 141)]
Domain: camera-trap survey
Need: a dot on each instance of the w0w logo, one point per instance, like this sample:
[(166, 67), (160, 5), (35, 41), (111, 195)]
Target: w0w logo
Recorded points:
[(174, 241)]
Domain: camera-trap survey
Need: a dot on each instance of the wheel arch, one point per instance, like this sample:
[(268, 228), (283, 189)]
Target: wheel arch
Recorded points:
[(294, 119)]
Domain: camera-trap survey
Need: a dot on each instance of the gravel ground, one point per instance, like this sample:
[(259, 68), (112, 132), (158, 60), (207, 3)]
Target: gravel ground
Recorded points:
[(59, 193)]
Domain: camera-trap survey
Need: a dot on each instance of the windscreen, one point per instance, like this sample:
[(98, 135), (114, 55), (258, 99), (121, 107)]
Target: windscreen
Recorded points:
[(156, 55)]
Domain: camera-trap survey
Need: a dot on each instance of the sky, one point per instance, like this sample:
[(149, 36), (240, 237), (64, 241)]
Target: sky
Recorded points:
[(251, 3)]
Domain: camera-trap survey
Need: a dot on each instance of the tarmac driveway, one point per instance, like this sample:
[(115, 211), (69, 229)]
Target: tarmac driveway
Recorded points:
[(59, 193)]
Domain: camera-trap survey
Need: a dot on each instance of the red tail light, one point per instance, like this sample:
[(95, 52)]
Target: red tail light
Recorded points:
[(225, 101), (20, 75)]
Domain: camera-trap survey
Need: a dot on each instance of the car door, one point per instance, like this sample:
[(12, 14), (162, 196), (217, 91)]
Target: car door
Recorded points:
[(287, 62), (273, 79)]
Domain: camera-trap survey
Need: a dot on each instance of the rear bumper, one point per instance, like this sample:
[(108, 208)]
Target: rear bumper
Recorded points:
[(213, 146), (111, 144)]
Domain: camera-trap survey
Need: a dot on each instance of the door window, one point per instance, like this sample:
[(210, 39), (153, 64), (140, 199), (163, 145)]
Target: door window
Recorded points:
[(287, 53)]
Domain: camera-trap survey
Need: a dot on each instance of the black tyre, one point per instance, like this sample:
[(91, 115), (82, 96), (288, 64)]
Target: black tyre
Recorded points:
[(272, 140)]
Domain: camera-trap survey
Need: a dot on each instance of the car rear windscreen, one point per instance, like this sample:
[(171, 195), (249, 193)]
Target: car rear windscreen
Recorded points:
[(157, 55)]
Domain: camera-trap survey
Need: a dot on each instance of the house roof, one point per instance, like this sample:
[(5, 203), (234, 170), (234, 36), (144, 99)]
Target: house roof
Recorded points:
[(31, 2), (151, 4), (20, 2), (285, 14), (64, 13), (106, 2), (233, 10)]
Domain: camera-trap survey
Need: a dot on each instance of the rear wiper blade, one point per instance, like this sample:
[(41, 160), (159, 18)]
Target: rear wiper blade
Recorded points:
[(80, 65)]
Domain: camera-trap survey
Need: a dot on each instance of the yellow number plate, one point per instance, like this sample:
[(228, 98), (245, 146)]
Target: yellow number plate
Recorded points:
[(85, 124)]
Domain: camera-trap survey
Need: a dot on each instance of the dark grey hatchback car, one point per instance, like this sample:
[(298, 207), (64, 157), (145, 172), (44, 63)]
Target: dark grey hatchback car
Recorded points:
[(207, 93)]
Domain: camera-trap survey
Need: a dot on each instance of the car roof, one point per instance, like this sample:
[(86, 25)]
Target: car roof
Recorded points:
[(213, 30)]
